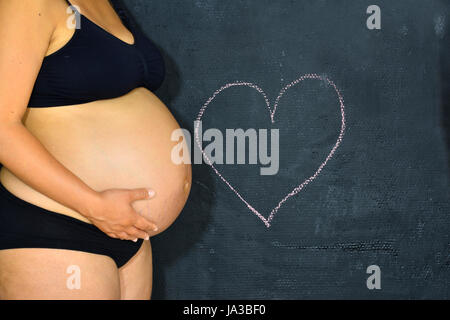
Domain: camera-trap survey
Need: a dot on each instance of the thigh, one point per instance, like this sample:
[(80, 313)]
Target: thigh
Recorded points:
[(35, 273), (136, 276)]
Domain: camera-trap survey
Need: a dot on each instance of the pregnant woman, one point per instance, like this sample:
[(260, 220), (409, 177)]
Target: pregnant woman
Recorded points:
[(87, 174)]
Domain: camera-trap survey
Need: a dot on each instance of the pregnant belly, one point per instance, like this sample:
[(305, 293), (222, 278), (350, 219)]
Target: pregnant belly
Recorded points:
[(118, 143)]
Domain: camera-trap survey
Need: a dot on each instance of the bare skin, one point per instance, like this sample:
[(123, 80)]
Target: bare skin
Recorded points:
[(52, 158), (25, 276)]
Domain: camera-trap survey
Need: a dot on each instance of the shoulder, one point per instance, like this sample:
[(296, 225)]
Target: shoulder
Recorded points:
[(42, 13), (27, 26)]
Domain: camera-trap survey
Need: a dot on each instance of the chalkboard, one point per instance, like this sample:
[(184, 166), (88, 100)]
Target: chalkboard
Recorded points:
[(380, 203), (381, 200)]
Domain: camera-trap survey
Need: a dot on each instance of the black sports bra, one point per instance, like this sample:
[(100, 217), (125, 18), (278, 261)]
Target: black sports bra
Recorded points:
[(95, 65)]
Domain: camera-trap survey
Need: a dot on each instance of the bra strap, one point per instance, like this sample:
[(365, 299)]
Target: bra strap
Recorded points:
[(72, 6)]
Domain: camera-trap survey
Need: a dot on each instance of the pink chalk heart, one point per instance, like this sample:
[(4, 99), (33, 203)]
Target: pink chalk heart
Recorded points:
[(299, 187)]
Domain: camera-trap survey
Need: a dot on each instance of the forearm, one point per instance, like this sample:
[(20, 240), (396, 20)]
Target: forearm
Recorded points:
[(26, 157)]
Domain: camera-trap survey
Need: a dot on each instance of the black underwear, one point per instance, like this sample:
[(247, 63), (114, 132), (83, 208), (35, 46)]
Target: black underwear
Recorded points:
[(25, 225)]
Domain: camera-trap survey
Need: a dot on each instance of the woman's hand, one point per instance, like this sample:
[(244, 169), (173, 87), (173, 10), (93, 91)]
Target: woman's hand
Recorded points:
[(113, 214)]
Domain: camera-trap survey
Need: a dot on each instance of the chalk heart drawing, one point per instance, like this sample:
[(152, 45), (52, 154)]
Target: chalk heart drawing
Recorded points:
[(272, 111)]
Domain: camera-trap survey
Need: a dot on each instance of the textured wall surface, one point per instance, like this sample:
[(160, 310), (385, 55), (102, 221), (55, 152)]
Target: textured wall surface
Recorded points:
[(383, 199)]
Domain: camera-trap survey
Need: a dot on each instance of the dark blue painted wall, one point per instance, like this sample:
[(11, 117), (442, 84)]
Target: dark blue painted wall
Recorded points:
[(383, 198)]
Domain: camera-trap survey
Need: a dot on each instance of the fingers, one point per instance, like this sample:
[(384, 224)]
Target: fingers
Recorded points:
[(144, 224), (137, 233), (141, 194), (131, 233), (141, 222), (125, 236), (120, 235), (131, 225)]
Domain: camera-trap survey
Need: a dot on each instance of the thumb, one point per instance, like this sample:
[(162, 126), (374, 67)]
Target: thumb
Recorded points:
[(141, 194)]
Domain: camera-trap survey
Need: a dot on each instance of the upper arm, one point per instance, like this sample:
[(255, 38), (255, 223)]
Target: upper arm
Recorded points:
[(26, 28)]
